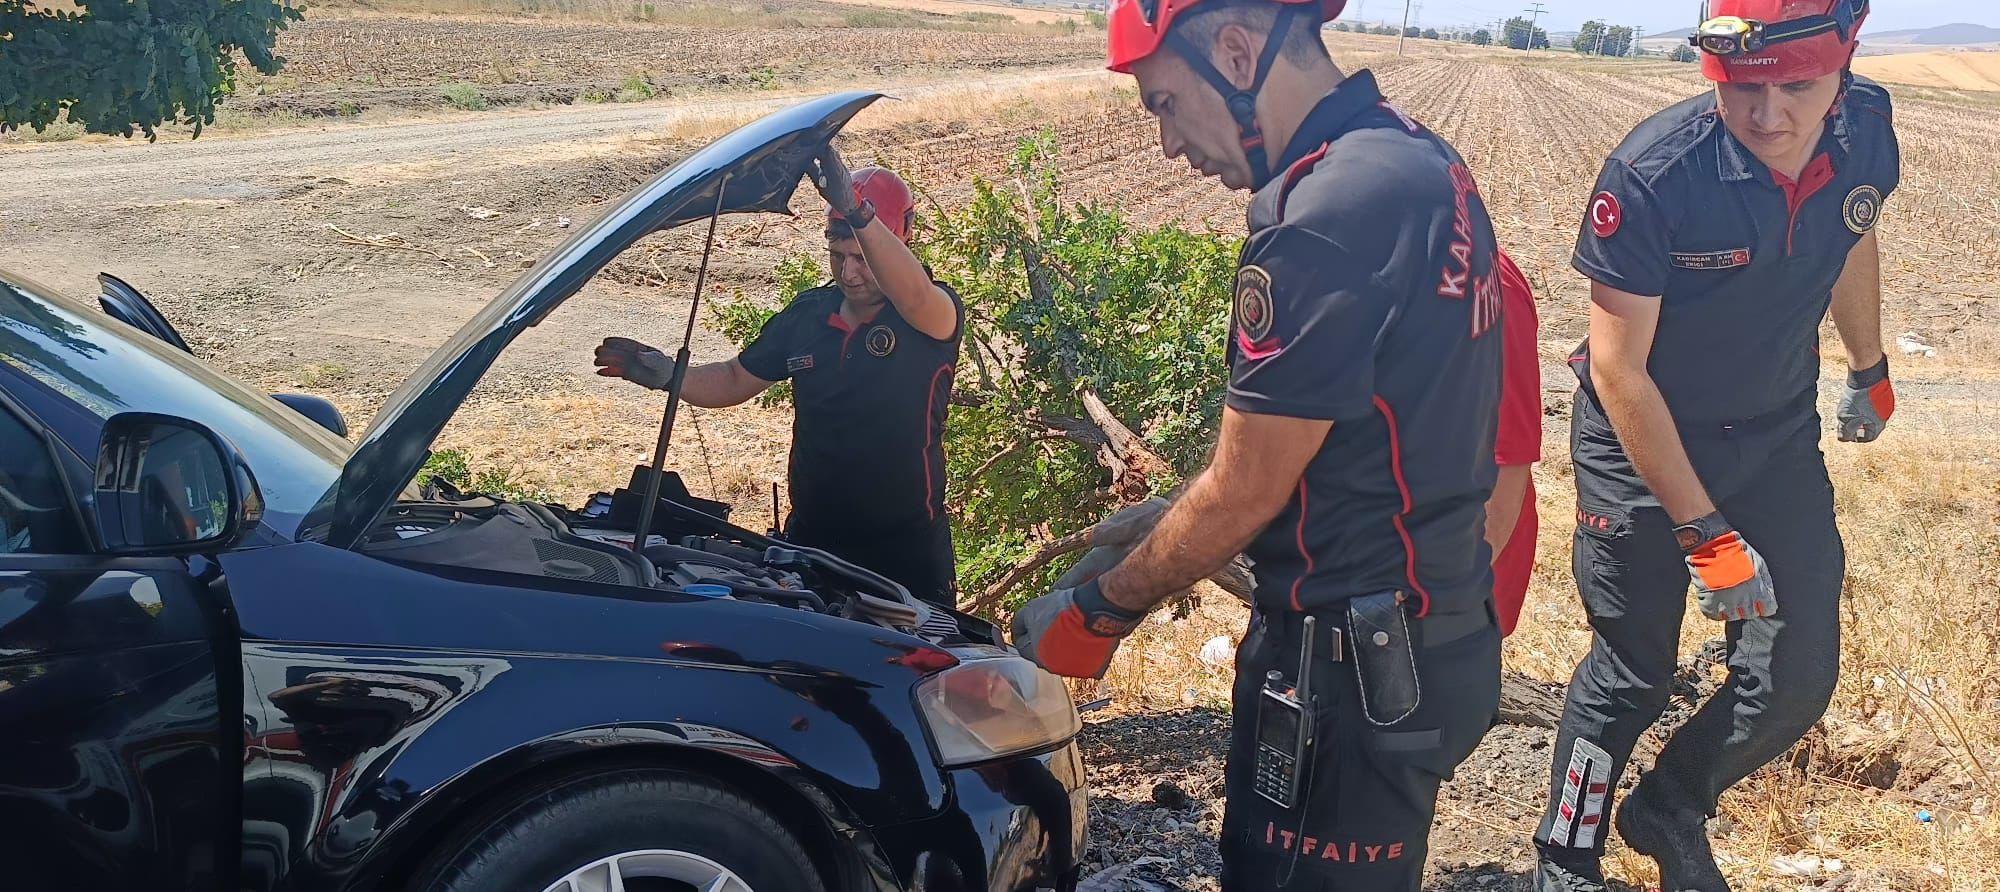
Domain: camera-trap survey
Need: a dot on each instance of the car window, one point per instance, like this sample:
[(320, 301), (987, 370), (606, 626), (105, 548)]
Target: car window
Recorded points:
[(67, 353), (35, 513)]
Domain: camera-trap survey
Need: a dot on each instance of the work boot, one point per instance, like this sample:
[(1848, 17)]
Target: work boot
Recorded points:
[(1675, 838), (1567, 870)]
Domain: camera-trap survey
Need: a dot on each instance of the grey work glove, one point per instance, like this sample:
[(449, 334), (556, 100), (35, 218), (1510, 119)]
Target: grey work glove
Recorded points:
[(1073, 632), (1866, 404), (1729, 576), (1113, 539), (635, 362), (830, 176)]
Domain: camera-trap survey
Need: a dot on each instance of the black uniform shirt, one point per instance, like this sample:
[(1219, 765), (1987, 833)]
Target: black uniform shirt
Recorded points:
[(1369, 296), (869, 409), (1744, 262)]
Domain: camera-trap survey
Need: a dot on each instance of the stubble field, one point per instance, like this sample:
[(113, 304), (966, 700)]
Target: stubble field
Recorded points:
[(332, 256)]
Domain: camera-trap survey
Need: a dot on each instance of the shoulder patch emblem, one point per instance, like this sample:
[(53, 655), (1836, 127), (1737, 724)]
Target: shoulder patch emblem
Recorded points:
[(881, 340), (1605, 215), (1253, 303), (1862, 209), (798, 364)]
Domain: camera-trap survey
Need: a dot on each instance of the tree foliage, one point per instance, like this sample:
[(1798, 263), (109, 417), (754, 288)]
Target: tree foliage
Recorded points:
[(1482, 37), (1431, 34), (1599, 39), (1517, 35), (113, 65), (1066, 302), (1684, 53)]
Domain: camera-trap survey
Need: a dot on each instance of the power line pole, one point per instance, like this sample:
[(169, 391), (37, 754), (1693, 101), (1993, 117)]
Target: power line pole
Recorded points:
[(1404, 34), (1637, 35), (1535, 15)]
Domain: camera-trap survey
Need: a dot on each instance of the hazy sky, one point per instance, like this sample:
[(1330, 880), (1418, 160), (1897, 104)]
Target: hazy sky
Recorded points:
[(1653, 15)]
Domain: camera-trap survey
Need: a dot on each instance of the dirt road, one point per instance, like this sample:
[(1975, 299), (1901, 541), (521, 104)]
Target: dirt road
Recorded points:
[(48, 182)]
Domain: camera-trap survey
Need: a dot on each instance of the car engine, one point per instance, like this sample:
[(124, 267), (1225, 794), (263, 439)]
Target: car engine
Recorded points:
[(691, 552)]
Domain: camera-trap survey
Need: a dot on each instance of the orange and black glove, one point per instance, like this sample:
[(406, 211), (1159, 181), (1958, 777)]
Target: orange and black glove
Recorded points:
[(1866, 406), (1729, 575), (1073, 631)]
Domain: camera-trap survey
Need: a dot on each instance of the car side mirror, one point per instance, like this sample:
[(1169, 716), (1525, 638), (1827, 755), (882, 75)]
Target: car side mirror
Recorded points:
[(319, 411), (170, 485)]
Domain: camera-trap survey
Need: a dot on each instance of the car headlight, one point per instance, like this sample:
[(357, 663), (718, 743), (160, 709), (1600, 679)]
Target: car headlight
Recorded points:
[(984, 709)]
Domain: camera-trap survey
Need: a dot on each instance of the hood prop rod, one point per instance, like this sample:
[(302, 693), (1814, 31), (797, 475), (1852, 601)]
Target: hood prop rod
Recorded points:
[(647, 507)]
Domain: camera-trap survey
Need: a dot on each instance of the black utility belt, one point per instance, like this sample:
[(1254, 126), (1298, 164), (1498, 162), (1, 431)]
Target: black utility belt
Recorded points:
[(1795, 411), (1335, 640)]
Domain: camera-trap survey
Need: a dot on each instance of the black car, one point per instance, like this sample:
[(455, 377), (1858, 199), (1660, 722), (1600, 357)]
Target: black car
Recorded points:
[(238, 653)]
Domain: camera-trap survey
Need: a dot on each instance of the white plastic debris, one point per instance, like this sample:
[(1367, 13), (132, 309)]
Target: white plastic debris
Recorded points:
[(1913, 344), (1218, 652), (562, 222), (1804, 865), (479, 213)]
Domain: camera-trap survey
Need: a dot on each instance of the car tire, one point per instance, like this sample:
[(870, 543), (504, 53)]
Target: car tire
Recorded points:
[(644, 822)]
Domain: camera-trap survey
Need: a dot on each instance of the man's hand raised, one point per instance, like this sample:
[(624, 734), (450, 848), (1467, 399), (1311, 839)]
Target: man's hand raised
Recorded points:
[(635, 362)]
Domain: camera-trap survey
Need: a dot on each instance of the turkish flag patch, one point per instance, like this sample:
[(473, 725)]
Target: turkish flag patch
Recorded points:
[(1605, 215)]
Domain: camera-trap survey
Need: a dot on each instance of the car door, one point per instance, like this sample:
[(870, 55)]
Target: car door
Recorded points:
[(113, 768)]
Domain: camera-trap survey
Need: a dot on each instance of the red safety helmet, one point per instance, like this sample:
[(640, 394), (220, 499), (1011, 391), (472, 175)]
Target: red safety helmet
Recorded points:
[(1139, 28), (894, 204), (1777, 41)]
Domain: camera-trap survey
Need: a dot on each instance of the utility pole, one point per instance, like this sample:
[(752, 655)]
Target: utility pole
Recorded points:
[(1634, 50), (1534, 15), (1602, 31), (1404, 34)]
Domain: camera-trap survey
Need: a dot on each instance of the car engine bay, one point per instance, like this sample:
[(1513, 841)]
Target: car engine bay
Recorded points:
[(692, 551)]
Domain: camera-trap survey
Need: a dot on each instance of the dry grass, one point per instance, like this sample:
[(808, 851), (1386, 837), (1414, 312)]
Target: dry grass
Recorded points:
[(1956, 70)]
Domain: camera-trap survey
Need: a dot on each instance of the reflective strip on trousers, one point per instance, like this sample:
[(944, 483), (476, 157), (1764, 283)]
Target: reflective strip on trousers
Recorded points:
[(1581, 812)]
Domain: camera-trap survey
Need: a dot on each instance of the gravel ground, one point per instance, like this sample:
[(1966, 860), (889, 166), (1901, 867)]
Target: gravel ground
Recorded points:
[(1156, 805), (1156, 800)]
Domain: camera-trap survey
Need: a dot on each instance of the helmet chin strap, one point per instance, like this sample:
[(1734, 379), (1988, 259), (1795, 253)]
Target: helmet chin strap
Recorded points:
[(1243, 103)]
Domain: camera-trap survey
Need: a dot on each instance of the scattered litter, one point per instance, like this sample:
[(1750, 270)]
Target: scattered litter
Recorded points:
[(1218, 652), (562, 222), (1924, 816), (479, 213), (1803, 865), (1913, 344)]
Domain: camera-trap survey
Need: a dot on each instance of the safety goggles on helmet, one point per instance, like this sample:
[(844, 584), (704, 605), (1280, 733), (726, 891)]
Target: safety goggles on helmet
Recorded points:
[(1736, 36)]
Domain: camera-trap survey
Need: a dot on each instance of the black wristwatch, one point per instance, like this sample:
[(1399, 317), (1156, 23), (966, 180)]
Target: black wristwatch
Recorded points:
[(1100, 616), (1700, 531), (862, 215)]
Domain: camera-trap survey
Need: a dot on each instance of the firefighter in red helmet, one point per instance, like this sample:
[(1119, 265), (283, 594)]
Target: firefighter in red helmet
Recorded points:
[(1355, 455), (870, 357), (1720, 235)]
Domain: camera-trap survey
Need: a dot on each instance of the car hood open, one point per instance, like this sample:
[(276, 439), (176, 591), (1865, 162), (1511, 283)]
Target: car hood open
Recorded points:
[(758, 167)]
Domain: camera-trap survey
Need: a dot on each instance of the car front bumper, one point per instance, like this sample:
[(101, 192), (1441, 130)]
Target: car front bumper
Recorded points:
[(1015, 825)]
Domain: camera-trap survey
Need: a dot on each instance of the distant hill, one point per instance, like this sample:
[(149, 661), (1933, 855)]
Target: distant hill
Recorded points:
[(1956, 34)]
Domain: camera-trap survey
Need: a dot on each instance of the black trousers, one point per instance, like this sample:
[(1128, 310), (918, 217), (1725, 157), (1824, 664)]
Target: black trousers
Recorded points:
[(1364, 819), (1770, 481), (918, 555)]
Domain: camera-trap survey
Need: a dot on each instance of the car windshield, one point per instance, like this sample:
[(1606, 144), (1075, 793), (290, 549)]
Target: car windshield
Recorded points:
[(102, 368)]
